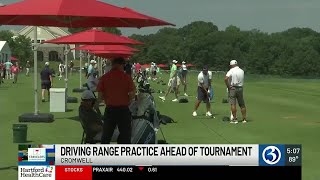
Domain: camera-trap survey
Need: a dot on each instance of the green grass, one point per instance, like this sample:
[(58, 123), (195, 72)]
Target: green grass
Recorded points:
[(279, 111)]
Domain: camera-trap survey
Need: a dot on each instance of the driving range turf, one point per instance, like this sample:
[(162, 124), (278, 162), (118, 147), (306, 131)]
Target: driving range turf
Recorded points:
[(280, 111)]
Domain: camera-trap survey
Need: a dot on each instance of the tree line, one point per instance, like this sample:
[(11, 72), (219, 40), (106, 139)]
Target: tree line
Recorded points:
[(294, 52)]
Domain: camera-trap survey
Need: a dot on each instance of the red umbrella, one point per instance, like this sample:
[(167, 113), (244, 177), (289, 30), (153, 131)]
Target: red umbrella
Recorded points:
[(73, 13), (162, 65), (93, 37), (178, 65), (190, 65), (106, 48), (147, 17), (146, 65), (69, 13), (12, 58), (112, 52)]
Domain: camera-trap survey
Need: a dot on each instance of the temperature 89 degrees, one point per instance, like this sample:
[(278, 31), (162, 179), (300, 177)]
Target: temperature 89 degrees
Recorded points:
[(293, 155)]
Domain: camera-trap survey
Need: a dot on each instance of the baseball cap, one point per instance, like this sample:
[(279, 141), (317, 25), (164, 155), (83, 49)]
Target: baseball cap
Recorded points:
[(233, 62), (183, 62), (174, 61), (92, 61), (87, 94), (47, 63)]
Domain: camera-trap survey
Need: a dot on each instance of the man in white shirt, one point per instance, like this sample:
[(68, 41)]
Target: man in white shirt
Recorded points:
[(204, 86), (234, 81)]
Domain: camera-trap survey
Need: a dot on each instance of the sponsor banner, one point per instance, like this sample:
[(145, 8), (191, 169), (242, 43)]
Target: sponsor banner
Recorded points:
[(36, 172)]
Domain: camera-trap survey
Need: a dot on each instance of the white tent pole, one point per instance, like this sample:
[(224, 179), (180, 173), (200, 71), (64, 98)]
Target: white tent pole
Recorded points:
[(66, 64), (35, 71), (80, 69)]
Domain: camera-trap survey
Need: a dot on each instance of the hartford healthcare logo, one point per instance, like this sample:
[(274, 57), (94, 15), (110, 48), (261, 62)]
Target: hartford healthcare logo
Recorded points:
[(37, 154), (36, 172)]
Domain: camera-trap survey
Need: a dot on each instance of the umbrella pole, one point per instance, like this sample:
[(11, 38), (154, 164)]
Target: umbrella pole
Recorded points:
[(80, 69), (35, 67), (66, 64)]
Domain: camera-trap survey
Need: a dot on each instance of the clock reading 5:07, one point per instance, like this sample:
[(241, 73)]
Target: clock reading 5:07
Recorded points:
[(293, 150)]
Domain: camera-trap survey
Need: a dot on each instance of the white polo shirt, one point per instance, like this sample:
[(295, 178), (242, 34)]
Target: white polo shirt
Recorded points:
[(236, 76), (184, 67), (204, 79)]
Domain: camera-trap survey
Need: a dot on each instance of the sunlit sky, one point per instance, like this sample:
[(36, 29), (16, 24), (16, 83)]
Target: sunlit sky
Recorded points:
[(265, 15)]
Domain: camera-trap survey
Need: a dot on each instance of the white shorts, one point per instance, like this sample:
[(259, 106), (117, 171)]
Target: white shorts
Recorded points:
[(174, 82)]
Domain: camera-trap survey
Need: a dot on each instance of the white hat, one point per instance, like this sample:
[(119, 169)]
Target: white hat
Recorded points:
[(233, 62), (174, 61), (183, 62), (47, 63), (87, 94), (92, 61)]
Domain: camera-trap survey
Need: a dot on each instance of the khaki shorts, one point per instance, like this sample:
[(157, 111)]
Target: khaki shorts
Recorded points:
[(174, 82), (236, 95)]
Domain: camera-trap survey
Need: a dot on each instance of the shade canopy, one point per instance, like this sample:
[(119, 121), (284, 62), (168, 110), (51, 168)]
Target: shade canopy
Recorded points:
[(112, 52), (93, 37), (73, 13), (106, 48)]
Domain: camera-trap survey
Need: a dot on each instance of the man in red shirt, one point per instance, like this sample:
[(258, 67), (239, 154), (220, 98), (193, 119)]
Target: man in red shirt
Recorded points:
[(15, 71), (117, 90)]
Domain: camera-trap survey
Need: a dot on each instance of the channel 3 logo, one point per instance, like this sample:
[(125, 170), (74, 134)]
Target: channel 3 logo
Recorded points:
[(271, 155)]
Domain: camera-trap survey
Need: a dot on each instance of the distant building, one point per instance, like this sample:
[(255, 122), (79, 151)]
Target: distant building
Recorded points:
[(48, 52), (5, 52)]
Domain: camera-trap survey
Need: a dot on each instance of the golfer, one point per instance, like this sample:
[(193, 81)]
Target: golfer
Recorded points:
[(184, 72), (204, 86), (234, 81), (28, 66), (117, 90), (173, 83), (46, 80)]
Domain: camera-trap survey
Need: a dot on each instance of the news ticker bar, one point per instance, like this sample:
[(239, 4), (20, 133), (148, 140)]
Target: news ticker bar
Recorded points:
[(162, 155), (225, 172)]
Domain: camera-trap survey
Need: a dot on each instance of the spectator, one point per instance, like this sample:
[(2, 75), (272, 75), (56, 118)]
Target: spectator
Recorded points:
[(92, 82), (117, 90), (71, 65), (15, 71), (28, 66), (91, 68), (61, 70), (46, 81), (2, 67), (8, 65)]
